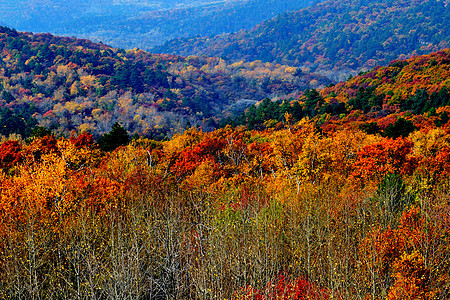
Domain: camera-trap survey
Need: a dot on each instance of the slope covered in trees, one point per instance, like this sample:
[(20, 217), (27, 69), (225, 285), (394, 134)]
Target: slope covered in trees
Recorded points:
[(66, 84), (335, 38), (286, 213), (142, 24), (328, 206), (418, 85)]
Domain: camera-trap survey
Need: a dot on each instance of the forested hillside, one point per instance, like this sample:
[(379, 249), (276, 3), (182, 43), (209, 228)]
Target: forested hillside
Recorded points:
[(66, 84), (419, 85), (131, 175), (141, 24), (335, 38), (297, 211)]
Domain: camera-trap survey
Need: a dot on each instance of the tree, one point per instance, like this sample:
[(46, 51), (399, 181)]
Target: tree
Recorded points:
[(313, 102), (118, 136), (411, 277), (40, 132), (388, 156), (401, 128), (10, 154)]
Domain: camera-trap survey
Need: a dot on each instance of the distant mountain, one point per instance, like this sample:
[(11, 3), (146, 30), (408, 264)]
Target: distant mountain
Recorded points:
[(67, 84), (335, 38), (141, 24)]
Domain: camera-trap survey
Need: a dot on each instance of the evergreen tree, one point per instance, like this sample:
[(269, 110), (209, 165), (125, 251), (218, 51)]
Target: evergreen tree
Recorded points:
[(118, 136), (401, 127)]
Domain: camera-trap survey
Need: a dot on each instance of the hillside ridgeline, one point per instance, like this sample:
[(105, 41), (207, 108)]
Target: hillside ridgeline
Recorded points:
[(335, 38)]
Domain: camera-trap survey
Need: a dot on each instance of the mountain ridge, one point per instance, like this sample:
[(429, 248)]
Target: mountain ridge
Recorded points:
[(335, 38), (141, 24)]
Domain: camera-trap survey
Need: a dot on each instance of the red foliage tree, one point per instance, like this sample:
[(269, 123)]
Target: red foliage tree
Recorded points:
[(84, 140), (189, 159), (282, 288), (10, 154), (386, 157)]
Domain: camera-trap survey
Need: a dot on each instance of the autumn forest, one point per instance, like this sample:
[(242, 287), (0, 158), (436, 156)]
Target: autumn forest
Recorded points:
[(130, 175)]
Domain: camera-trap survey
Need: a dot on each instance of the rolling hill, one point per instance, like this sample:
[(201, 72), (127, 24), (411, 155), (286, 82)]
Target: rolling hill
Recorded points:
[(373, 100), (335, 38), (301, 210), (141, 24), (67, 84), (335, 191)]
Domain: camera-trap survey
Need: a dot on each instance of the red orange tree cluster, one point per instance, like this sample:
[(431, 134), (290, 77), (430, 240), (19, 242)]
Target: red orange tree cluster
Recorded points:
[(287, 213)]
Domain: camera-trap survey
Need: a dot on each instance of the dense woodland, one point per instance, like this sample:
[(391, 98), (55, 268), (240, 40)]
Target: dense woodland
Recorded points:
[(218, 17), (66, 84), (335, 38), (352, 205), (288, 212), (130, 175), (415, 86), (142, 24)]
